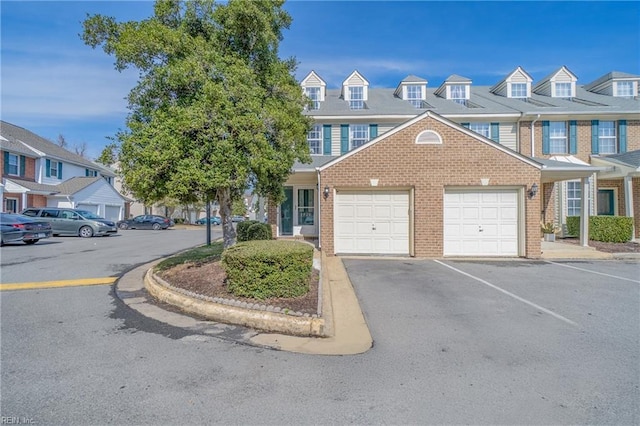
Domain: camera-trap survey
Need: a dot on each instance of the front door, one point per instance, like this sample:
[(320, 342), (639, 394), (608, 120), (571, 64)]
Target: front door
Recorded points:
[(286, 212), (606, 202)]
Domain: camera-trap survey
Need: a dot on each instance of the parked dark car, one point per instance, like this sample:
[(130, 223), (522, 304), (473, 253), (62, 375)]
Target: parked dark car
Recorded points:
[(16, 228), (213, 220), (146, 221), (72, 221)]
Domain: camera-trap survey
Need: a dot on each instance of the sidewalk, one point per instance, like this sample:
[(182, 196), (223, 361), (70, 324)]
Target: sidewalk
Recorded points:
[(560, 250)]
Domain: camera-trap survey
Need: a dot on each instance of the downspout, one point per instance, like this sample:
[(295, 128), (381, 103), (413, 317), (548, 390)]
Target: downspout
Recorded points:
[(73, 206), (533, 139), (319, 192)]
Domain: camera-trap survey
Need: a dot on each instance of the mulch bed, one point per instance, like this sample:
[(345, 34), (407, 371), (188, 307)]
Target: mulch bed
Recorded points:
[(208, 279), (629, 247)]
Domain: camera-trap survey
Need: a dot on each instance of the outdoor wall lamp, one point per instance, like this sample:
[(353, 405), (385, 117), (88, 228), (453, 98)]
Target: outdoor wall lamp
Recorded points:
[(533, 190), (325, 192)]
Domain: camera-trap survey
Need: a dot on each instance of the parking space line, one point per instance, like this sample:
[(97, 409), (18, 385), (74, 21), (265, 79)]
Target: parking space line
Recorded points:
[(508, 293), (594, 272), (57, 284)]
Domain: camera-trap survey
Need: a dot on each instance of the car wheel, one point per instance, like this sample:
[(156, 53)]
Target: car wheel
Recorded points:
[(156, 226), (86, 232), (123, 226), (31, 241)]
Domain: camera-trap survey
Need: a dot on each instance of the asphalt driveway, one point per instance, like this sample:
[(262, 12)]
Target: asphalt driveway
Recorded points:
[(509, 341)]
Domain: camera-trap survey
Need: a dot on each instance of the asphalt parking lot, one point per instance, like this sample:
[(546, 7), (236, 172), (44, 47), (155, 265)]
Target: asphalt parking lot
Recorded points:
[(511, 341)]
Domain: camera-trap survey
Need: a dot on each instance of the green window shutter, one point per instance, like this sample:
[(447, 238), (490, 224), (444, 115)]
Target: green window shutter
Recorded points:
[(48, 166), (86, 172), (326, 142), (23, 165), (545, 138), (344, 138), (573, 137), (465, 125), (622, 131), (594, 137), (6, 162), (373, 131), (495, 132), (59, 170)]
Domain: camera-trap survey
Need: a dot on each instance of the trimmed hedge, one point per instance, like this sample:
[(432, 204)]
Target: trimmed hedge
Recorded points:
[(250, 230), (264, 269), (610, 229)]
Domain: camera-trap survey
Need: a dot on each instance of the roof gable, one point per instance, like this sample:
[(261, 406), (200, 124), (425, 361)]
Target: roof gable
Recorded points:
[(446, 122), (313, 80)]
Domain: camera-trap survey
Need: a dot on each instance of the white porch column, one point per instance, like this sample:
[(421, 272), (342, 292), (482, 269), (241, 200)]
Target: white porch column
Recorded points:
[(584, 212), (2, 197), (628, 204), (23, 202)]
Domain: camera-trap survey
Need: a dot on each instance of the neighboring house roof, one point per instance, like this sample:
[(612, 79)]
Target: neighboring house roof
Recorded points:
[(76, 184), (629, 159), (16, 147), (34, 187), (17, 135), (613, 75)]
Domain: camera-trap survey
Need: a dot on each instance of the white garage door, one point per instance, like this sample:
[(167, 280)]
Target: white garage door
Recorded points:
[(481, 223), (372, 222), (88, 207), (112, 213)]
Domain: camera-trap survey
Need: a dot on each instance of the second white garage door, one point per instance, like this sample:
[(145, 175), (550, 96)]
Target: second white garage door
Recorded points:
[(481, 223), (372, 222)]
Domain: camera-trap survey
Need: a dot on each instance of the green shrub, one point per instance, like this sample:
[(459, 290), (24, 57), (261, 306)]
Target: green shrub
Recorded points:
[(250, 230), (611, 229), (264, 269), (178, 220)]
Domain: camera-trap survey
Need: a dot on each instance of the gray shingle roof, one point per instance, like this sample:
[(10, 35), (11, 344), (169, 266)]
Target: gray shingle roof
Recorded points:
[(76, 184), (316, 161), (413, 79), (35, 186), (455, 78), (15, 134), (631, 158), (610, 76)]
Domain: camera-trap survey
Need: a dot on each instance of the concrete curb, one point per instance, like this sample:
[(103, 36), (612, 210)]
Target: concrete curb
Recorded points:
[(257, 319)]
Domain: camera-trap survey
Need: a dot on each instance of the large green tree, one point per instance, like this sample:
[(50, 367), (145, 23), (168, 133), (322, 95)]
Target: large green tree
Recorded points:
[(215, 109)]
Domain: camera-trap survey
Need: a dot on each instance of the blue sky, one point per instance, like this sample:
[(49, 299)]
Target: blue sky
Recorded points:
[(53, 84)]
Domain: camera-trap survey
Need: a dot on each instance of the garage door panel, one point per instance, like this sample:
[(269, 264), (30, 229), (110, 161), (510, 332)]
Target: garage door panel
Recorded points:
[(481, 223), (378, 221)]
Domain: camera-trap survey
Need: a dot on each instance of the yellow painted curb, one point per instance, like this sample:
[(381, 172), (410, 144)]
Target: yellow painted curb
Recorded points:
[(57, 284), (258, 319)]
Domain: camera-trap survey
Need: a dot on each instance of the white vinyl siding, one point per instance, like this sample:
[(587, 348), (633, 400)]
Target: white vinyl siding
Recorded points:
[(508, 135)]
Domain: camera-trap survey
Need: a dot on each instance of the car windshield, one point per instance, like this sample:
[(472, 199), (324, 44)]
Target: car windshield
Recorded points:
[(88, 215)]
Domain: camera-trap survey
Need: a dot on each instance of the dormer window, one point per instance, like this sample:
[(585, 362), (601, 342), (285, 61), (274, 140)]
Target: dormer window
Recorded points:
[(458, 93), (313, 93), (625, 89), (356, 97), (519, 90), (414, 95), (563, 90)]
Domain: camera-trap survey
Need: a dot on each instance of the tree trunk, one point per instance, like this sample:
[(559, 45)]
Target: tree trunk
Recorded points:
[(228, 231)]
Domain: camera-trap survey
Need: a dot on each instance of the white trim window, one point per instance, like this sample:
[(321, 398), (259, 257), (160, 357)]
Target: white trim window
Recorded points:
[(624, 89), (14, 165), (53, 169), (607, 143), (356, 97), (458, 93), (574, 194), (358, 135), (414, 95), (558, 137), (313, 93), (563, 90), (11, 205), (483, 129), (519, 90), (314, 139)]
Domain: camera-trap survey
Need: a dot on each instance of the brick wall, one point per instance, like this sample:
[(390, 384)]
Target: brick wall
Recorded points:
[(619, 185), (29, 165), (36, 201), (460, 161)]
